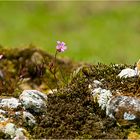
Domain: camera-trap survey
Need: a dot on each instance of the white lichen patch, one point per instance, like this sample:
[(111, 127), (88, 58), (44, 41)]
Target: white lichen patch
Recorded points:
[(128, 116), (102, 96), (11, 103), (128, 73)]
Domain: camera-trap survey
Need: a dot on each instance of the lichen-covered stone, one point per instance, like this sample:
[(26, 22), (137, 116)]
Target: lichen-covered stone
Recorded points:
[(102, 96), (128, 73), (29, 119), (33, 100), (123, 107), (21, 134), (10, 103), (10, 129)]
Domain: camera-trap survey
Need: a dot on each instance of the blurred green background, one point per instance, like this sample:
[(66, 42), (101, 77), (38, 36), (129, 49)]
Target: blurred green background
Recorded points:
[(93, 31)]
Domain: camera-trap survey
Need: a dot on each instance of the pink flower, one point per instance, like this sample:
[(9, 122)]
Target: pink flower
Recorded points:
[(61, 46)]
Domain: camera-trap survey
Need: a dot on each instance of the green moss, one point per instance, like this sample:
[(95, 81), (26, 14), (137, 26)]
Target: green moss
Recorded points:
[(71, 112)]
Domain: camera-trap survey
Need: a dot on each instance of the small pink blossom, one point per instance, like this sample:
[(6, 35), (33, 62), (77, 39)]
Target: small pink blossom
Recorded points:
[(61, 46)]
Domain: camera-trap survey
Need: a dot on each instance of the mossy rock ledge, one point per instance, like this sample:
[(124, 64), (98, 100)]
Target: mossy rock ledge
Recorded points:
[(96, 101)]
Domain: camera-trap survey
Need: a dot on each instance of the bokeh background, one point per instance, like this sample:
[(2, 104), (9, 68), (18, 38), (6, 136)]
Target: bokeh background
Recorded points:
[(95, 31)]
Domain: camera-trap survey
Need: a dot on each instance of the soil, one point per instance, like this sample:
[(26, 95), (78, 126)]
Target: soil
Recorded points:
[(71, 112)]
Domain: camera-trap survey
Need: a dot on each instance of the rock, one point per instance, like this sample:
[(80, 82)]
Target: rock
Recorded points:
[(128, 73), (29, 118), (33, 100), (20, 138), (10, 129), (37, 58), (123, 107), (10, 103), (21, 134), (102, 96)]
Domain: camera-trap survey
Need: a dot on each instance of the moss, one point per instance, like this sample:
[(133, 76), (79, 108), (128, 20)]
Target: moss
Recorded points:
[(71, 112)]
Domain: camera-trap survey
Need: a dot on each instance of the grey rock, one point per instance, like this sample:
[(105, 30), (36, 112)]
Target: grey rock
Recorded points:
[(10, 103), (29, 118), (10, 129), (33, 100), (123, 107), (128, 73), (102, 96)]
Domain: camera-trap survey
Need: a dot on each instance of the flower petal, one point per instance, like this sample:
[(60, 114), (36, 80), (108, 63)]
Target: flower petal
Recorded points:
[(58, 42), (63, 43)]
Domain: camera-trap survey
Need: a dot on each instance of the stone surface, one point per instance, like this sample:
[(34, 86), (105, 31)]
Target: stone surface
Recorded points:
[(13, 112), (21, 134), (123, 107), (10, 103), (33, 100), (102, 95), (29, 119), (10, 129), (128, 73)]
